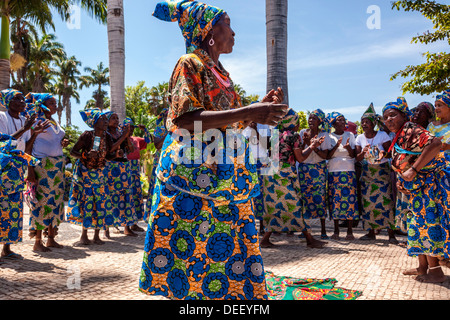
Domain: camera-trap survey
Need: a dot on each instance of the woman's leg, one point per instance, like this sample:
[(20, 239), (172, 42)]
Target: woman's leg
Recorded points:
[(349, 230), (265, 242), (52, 231), (38, 244), (96, 238), (435, 273), (335, 235), (421, 270)]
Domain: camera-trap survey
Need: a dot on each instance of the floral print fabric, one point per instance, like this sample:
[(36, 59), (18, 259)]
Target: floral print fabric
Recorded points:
[(342, 195), (313, 186), (196, 250)]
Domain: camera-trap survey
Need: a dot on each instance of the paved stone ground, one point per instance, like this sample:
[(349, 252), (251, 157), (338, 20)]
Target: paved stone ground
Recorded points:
[(111, 271)]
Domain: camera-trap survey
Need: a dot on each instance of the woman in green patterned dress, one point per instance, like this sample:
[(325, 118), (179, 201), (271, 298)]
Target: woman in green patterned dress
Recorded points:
[(376, 188), (48, 177)]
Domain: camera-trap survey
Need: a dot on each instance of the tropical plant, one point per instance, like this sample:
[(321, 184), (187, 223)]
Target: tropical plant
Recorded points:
[(276, 45), (96, 78), (38, 13), (433, 75), (245, 99), (66, 86)]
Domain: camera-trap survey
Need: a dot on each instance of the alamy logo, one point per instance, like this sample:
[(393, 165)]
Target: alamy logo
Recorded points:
[(374, 21)]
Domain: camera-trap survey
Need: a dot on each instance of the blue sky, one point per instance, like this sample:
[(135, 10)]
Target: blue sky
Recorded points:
[(335, 61)]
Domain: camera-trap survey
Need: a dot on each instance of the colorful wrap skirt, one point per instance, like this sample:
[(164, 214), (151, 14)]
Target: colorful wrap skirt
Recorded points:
[(342, 195), (313, 186), (11, 217), (136, 189), (258, 202), (48, 209), (402, 211), (151, 185), (119, 184), (282, 201), (195, 250), (428, 223), (89, 199), (377, 197)]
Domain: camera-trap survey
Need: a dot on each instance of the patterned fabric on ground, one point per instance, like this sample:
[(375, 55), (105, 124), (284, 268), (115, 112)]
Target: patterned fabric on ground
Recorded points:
[(342, 195), (377, 197), (196, 250), (313, 186), (282, 201), (89, 199), (289, 288), (49, 208), (119, 185), (136, 189)]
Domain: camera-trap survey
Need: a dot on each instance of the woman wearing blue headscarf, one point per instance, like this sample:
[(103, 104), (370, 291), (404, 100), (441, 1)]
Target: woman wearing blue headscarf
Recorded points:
[(89, 199), (423, 173), (13, 164), (312, 172), (47, 179), (342, 184), (281, 189), (201, 239), (119, 175)]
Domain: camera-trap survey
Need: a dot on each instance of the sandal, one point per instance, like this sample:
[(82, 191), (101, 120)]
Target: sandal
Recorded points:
[(13, 256)]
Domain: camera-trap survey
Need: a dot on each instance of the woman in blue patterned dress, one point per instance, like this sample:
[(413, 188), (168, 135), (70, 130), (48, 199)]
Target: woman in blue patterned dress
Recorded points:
[(201, 240), (423, 172), (342, 184), (119, 178), (313, 172), (89, 200)]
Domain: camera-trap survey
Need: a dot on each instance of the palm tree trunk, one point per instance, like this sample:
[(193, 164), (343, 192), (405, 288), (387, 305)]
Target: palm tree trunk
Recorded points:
[(5, 52), (116, 45), (276, 37)]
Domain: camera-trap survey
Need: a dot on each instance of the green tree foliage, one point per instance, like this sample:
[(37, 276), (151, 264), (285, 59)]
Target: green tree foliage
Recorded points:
[(433, 75), (303, 120)]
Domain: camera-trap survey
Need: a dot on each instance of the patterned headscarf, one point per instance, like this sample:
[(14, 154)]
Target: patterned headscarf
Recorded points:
[(35, 104), (372, 116), (128, 121), (444, 97), (429, 106), (91, 116), (400, 105), (290, 121), (332, 117), (6, 96), (322, 118), (195, 19)]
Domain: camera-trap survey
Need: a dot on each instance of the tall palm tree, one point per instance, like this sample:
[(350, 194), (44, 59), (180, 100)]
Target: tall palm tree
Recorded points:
[(116, 46), (66, 86), (44, 52), (97, 77), (276, 38), (37, 12)]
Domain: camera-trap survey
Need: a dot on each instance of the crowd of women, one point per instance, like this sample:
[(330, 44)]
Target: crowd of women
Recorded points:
[(202, 240), (105, 189)]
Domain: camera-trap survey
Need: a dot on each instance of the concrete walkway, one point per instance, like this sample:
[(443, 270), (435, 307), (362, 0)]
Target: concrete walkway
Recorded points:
[(111, 271)]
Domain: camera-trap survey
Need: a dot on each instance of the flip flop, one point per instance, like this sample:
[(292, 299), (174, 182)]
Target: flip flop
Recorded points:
[(13, 256)]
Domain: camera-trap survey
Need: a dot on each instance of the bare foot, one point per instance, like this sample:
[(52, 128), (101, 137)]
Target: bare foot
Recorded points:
[(98, 241), (107, 234), (335, 236), (39, 247), (128, 232), (431, 278), (137, 228), (350, 237), (316, 244), (51, 243), (414, 272), (267, 244)]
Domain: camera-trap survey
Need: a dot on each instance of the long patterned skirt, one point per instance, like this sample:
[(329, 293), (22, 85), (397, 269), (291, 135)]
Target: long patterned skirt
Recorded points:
[(402, 211), (195, 250), (283, 201), (11, 217), (48, 210), (151, 185), (258, 202), (428, 223), (136, 189), (342, 195), (313, 186), (377, 198), (89, 199), (119, 184)]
